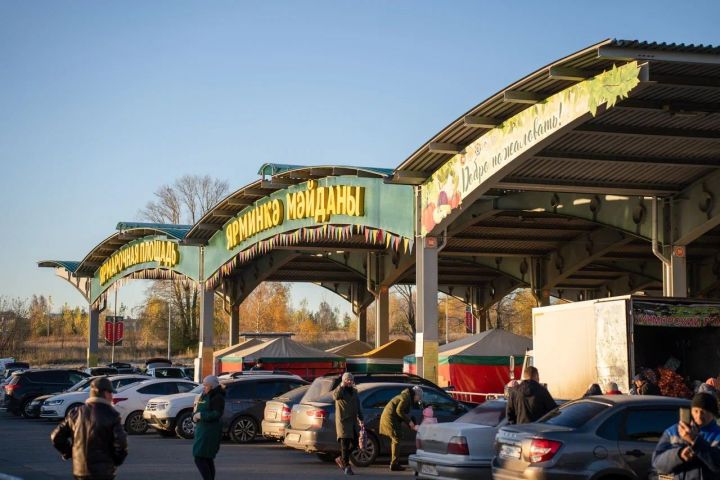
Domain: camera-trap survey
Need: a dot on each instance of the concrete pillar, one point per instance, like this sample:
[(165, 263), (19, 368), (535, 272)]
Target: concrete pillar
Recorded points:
[(92, 338), (382, 317), (205, 365), (426, 308), (362, 325), (675, 274), (481, 320), (234, 334)]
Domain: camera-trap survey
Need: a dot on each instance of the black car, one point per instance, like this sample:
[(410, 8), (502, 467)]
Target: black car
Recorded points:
[(245, 400), (98, 371), (123, 368), (26, 386)]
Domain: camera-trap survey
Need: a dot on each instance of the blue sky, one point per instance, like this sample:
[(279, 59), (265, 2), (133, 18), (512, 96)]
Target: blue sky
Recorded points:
[(102, 102)]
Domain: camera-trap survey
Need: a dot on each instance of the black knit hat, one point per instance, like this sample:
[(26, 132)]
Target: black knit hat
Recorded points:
[(706, 402)]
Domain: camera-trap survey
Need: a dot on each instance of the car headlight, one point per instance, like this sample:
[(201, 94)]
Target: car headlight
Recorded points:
[(53, 403), (162, 405)]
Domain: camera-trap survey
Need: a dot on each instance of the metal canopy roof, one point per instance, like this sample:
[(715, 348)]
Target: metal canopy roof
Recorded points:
[(281, 176), (69, 265), (127, 232), (671, 121)]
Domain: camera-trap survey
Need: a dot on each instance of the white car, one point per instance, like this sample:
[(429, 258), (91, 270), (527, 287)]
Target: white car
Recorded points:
[(172, 414), (130, 400), (59, 406)]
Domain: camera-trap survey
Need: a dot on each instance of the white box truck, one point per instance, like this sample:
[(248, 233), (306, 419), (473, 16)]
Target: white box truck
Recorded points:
[(610, 339)]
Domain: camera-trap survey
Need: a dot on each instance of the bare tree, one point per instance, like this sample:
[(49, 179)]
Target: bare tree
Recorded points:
[(405, 295), (183, 202)]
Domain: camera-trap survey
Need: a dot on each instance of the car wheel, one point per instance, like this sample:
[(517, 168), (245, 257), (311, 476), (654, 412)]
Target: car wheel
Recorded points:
[(72, 408), (184, 426), (243, 430), (135, 424), (27, 411), (326, 457), (365, 458)]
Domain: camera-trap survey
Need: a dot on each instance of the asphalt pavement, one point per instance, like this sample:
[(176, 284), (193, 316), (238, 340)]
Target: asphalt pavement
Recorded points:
[(26, 452)]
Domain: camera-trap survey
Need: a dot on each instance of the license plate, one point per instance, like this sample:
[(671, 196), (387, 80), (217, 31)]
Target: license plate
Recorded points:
[(510, 451), (293, 437), (428, 469)]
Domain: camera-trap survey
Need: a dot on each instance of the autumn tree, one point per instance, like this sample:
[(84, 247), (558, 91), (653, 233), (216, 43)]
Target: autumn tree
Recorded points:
[(267, 308), (514, 312), (402, 310), (39, 313), (183, 202), (14, 325)]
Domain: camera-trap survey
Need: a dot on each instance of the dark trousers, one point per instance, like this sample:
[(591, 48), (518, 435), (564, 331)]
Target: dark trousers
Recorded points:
[(346, 446), (206, 466)]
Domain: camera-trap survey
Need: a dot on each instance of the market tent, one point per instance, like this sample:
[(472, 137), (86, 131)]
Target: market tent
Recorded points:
[(356, 347), (285, 354), (224, 359), (478, 363), (385, 358)]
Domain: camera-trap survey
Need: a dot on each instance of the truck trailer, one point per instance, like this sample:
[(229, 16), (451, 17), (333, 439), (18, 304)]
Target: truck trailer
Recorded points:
[(610, 339)]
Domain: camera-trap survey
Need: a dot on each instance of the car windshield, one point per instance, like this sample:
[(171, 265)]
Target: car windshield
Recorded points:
[(490, 414), (81, 386), (574, 415), (319, 388)]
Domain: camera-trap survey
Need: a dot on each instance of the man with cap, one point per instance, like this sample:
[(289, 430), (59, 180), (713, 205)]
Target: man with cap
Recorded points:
[(92, 435), (394, 415), (348, 417), (208, 426), (691, 452)]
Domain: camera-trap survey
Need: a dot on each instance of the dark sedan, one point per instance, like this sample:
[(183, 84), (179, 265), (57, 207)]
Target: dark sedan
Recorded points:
[(312, 423), (595, 437)]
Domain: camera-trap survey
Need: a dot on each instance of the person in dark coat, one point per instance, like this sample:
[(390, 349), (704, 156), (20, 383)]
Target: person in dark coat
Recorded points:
[(691, 452), (643, 386), (529, 401), (593, 389), (93, 436), (394, 415), (348, 417), (208, 426)]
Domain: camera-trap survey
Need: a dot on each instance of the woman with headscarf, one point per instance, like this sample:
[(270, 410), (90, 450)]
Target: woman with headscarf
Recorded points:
[(395, 413), (208, 426)]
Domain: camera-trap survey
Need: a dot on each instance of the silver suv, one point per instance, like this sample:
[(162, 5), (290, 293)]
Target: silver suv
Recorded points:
[(603, 437)]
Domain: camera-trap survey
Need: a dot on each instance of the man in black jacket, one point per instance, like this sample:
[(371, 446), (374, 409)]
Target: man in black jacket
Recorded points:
[(529, 401), (93, 436)]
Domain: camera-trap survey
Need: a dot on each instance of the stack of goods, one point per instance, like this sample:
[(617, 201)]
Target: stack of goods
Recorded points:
[(671, 384)]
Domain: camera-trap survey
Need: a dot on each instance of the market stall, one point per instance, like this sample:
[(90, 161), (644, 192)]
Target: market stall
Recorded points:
[(356, 347), (385, 358)]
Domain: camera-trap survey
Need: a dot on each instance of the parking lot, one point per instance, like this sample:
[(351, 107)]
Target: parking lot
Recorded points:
[(26, 452)]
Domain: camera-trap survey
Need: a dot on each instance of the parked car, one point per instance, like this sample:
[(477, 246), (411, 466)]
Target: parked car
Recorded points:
[(29, 384), (124, 368), (99, 371), (167, 372), (462, 449), (276, 417), (245, 399), (172, 414), (56, 407), (312, 423), (157, 362), (594, 437), (34, 410), (130, 400)]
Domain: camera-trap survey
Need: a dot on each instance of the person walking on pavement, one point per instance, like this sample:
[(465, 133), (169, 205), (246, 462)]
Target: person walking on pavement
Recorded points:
[(691, 452), (395, 413), (93, 436), (529, 401), (348, 417), (208, 426)]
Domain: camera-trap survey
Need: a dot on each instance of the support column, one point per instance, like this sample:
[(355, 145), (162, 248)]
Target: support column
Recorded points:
[(205, 348), (426, 308), (382, 317), (362, 325), (675, 274), (234, 334), (92, 338)]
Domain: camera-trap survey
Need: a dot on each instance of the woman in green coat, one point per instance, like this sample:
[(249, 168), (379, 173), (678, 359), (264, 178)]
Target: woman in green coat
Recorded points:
[(208, 426), (395, 413), (348, 417)]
